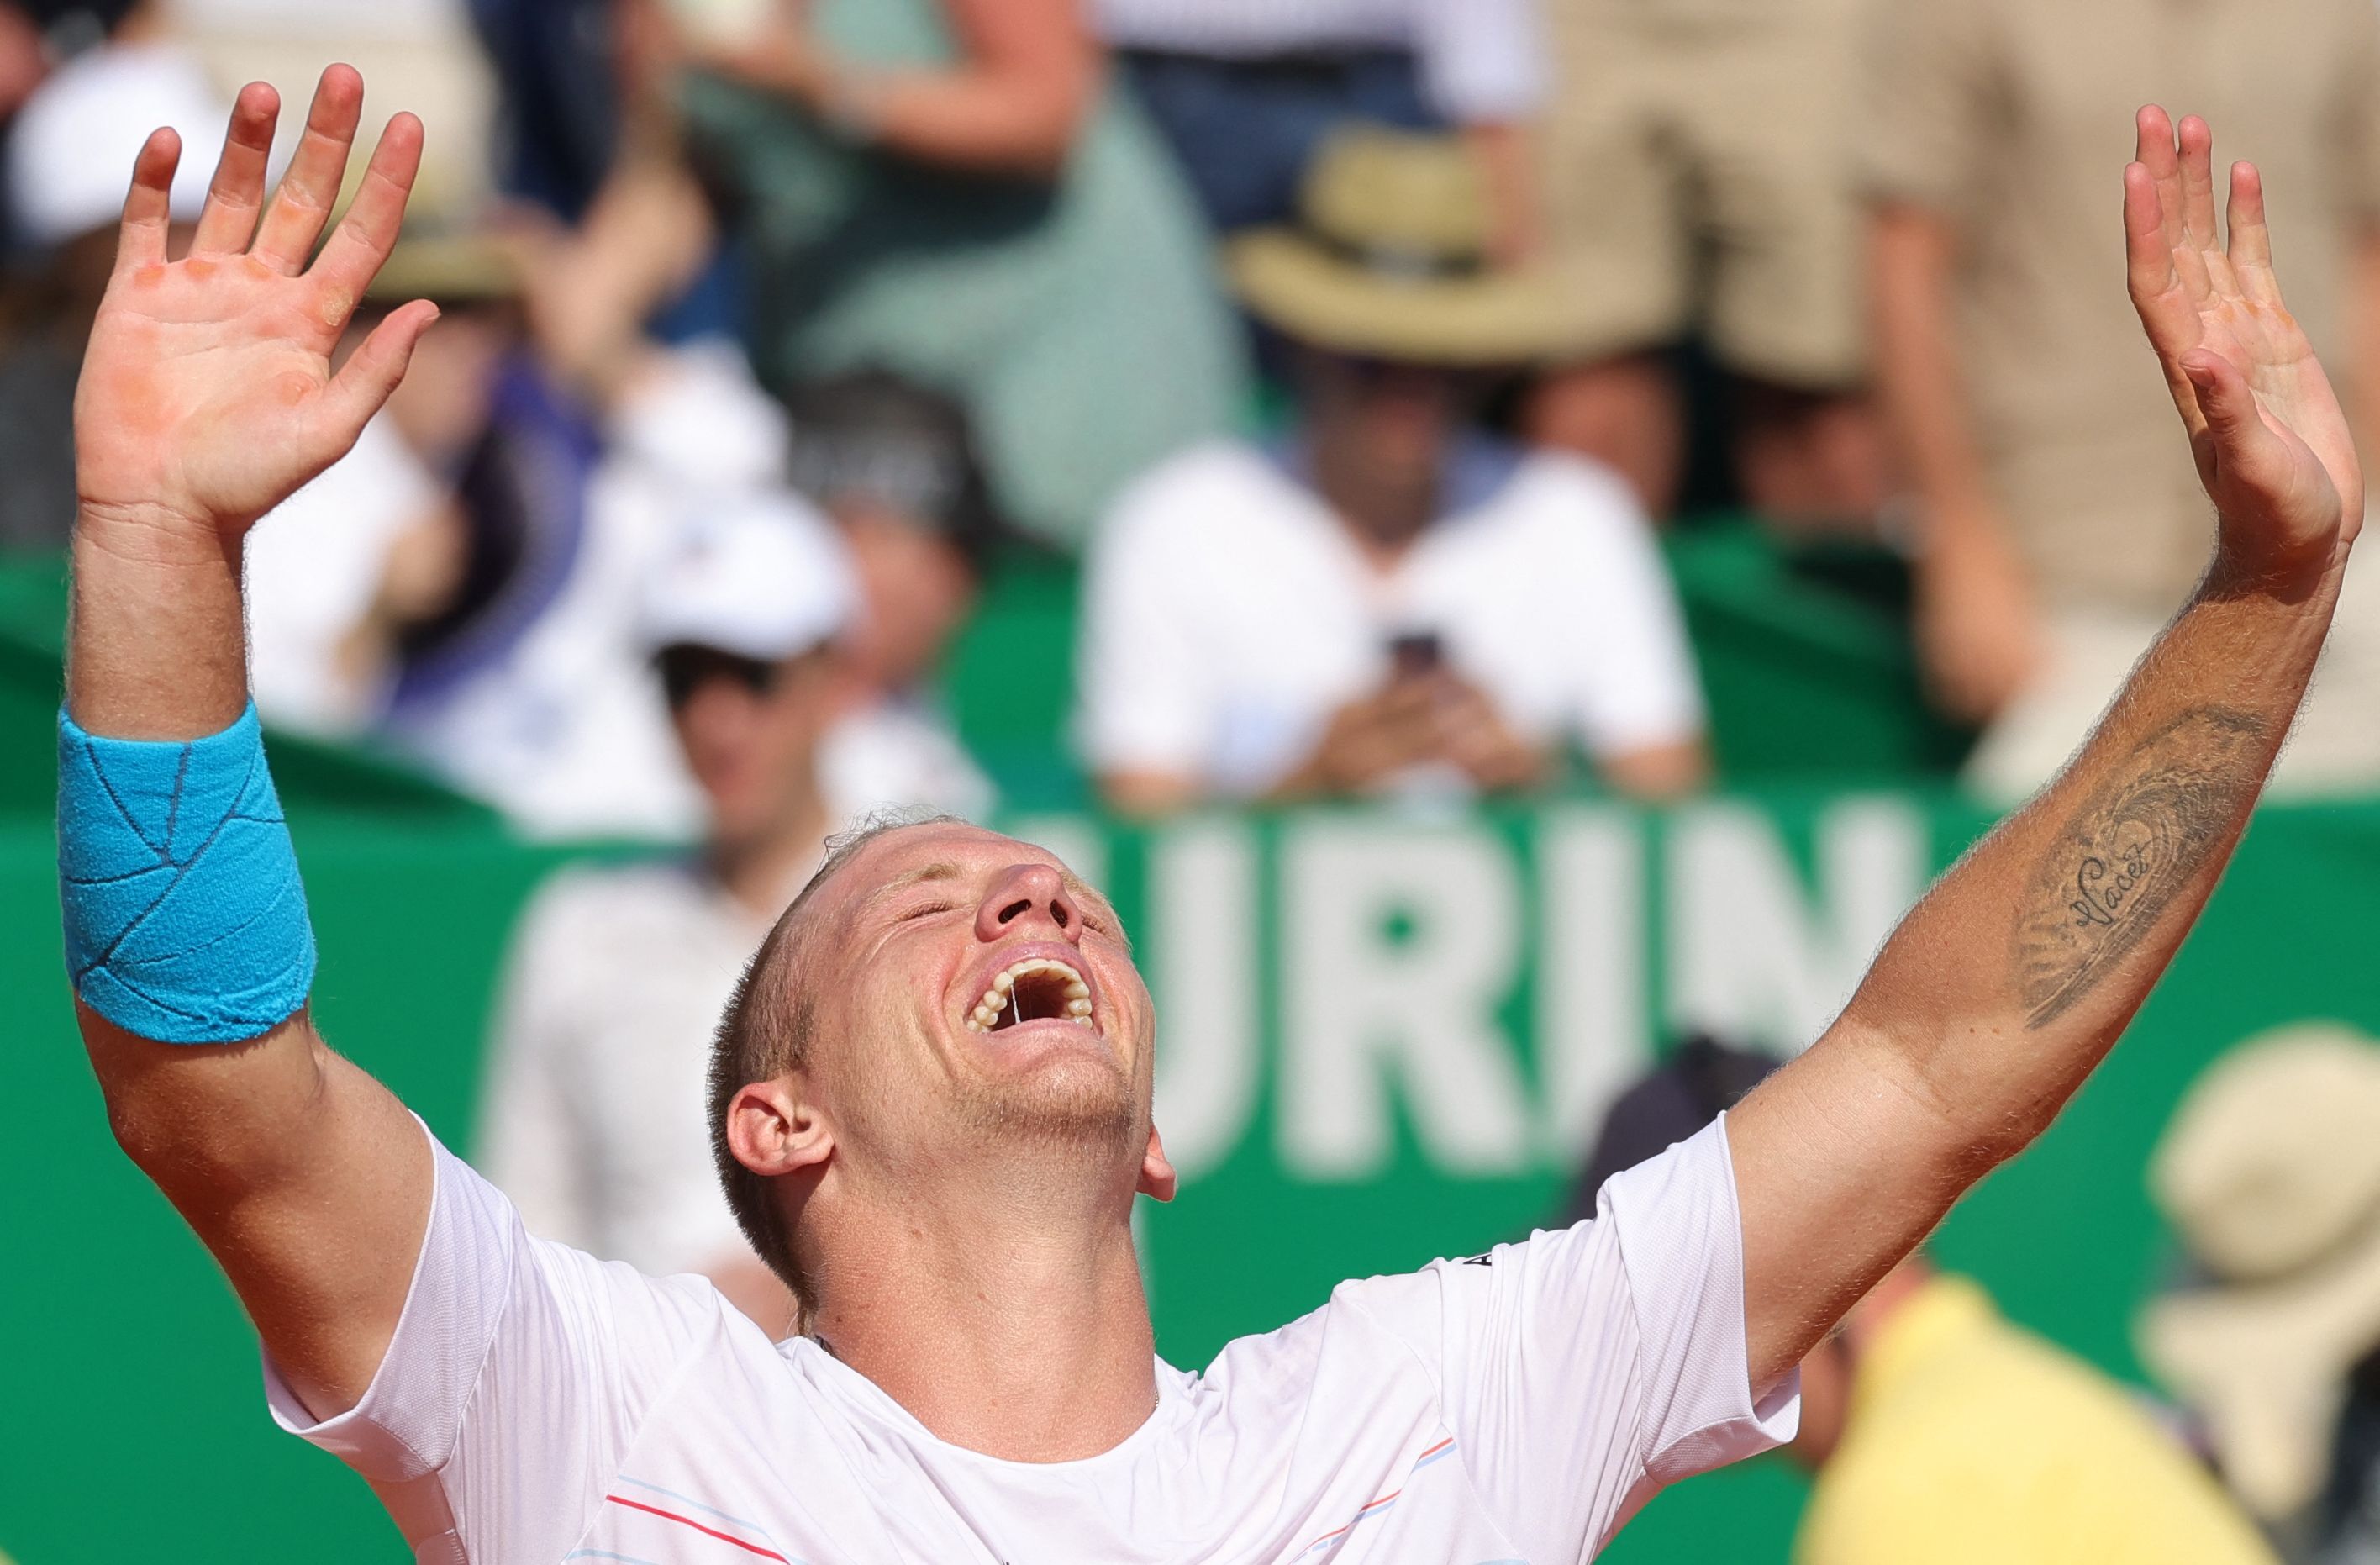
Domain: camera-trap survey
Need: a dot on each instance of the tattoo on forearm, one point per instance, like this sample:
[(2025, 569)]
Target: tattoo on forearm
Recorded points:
[(2131, 847)]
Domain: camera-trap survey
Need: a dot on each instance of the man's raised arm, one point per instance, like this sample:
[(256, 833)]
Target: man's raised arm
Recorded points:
[(207, 396), (2015, 974)]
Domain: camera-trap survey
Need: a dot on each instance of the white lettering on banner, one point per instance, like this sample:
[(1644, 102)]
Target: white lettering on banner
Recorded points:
[(1591, 1034), (1202, 918), (1363, 1005), (1750, 956)]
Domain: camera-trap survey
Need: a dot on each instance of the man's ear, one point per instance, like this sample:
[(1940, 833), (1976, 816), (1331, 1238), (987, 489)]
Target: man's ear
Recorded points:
[(1158, 1179), (773, 1128)]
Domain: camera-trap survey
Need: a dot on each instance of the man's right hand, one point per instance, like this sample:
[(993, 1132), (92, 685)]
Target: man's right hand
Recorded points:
[(207, 394)]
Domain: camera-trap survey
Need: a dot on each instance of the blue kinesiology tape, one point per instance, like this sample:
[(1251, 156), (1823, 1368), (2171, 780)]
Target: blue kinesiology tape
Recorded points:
[(185, 918)]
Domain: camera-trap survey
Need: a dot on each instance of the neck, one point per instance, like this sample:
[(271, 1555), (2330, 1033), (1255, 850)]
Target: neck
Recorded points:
[(1022, 1334), (1383, 519), (762, 872)]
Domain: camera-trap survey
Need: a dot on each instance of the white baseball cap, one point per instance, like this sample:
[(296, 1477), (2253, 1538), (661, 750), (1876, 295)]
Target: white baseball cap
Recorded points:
[(762, 576), (70, 155)]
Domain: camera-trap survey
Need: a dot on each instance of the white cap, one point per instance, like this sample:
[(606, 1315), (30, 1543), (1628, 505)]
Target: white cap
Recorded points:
[(70, 155), (761, 575)]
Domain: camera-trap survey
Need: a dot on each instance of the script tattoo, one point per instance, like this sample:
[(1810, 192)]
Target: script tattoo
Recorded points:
[(2129, 850)]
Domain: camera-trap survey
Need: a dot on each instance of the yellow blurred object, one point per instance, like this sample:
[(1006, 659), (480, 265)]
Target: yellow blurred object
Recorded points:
[(1973, 1442)]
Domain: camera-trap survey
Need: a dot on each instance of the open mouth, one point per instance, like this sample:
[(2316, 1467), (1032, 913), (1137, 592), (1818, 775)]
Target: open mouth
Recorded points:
[(1040, 988)]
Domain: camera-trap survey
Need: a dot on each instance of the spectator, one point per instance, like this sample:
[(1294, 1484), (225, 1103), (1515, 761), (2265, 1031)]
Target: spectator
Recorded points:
[(894, 466), (944, 188), (2269, 1176), (1390, 596), (1247, 92), (595, 1122), (67, 150), (1940, 1432), (465, 582), (2060, 521), (1700, 182)]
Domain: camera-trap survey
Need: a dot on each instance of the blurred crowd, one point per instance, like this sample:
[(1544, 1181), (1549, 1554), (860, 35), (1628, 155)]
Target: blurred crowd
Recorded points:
[(1341, 340)]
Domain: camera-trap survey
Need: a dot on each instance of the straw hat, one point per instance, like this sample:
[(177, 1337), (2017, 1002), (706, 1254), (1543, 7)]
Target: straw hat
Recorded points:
[(1390, 258), (2270, 1173), (453, 265)]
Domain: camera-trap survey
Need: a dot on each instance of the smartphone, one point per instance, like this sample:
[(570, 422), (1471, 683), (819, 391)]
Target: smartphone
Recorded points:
[(1413, 653)]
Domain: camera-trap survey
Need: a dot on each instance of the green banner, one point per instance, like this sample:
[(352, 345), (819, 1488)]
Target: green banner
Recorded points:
[(1385, 1037)]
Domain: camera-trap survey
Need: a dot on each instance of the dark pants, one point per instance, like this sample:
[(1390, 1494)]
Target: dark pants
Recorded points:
[(1244, 130)]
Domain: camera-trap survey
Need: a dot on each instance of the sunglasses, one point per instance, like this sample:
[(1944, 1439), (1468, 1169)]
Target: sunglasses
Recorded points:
[(686, 669)]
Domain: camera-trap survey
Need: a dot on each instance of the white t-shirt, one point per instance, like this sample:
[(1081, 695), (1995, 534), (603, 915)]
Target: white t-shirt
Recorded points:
[(538, 1405), (1227, 614), (594, 1121)]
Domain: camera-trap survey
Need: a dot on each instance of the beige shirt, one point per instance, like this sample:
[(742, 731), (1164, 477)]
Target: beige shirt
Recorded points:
[(2014, 118)]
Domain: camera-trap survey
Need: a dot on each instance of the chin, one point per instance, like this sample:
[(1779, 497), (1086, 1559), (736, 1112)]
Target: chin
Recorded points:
[(1078, 1102)]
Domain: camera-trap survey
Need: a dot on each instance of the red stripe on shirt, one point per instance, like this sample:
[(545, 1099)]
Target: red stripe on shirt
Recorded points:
[(690, 1522)]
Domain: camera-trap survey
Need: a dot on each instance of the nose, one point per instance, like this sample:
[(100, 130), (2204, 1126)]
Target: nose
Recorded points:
[(1029, 899)]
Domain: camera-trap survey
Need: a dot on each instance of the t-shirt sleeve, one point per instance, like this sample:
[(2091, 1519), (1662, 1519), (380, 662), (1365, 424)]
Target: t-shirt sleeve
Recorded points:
[(1925, 91), (1584, 1370), (1638, 685), (1147, 701), (1481, 60), (517, 1377)]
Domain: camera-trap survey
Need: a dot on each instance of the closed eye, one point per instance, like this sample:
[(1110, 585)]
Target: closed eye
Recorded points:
[(926, 911)]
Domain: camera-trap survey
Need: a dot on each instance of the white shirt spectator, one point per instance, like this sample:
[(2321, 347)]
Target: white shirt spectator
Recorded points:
[(594, 1120), (1228, 613), (536, 1403), (1479, 59)]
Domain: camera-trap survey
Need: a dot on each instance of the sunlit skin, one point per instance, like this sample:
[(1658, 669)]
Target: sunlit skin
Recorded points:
[(914, 928)]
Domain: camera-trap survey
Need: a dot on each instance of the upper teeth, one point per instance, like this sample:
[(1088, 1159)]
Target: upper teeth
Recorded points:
[(997, 998)]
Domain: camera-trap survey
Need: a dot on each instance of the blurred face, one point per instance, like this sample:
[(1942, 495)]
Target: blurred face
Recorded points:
[(749, 733), (914, 589), (974, 1000), (1381, 427), (441, 406)]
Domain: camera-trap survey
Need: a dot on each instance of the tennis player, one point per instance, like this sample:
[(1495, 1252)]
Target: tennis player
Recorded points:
[(932, 1089)]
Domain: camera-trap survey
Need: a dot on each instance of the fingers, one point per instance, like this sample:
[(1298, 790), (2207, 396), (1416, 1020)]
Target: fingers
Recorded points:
[(311, 187), (2148, 258), (2154, 152), (369, 231), (2242, 441), (373, 372), (148, 205), (2198, 183), (228, 220), (2252, 243)]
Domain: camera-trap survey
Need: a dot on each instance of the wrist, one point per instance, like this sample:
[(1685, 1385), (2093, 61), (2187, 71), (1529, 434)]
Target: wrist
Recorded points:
[(2298, 577), (147, 532)]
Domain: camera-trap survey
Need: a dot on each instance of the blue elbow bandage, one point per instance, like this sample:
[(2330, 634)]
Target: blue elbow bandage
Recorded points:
[(185, 918)]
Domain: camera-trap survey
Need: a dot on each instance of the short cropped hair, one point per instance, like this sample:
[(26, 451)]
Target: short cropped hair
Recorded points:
[(766, 1031)]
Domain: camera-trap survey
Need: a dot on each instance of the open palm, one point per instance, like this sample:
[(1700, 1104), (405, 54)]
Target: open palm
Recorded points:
[(207, 392), (2272, 444)]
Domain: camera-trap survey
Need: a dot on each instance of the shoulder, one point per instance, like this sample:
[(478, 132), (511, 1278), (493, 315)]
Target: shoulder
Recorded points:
[(1558, 494), (1215, 487), (580, 900)]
